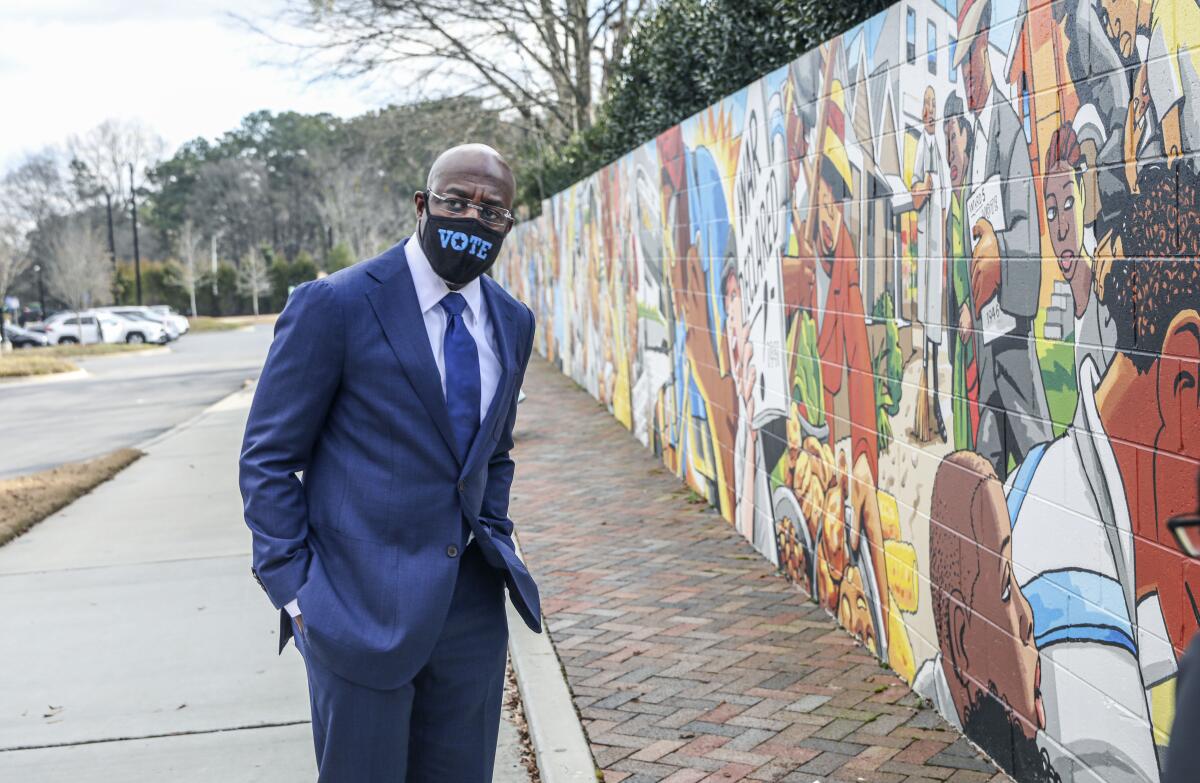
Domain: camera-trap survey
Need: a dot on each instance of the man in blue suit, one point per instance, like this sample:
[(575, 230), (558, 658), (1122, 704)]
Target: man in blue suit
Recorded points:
[(391, 386)]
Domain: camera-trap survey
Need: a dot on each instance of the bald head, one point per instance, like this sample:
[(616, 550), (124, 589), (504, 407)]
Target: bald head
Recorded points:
[(929, 110), (476, 172)]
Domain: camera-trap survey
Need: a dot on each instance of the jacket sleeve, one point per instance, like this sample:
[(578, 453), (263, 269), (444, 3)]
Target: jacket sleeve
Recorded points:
[(297, 386), (494, 510), (1020, 244)]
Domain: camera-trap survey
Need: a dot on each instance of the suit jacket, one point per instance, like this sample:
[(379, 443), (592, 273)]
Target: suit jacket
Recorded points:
[(369, 541), (1020, 243)]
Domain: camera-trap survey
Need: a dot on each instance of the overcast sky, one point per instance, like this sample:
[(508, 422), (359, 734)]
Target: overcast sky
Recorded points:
[(184, 67)]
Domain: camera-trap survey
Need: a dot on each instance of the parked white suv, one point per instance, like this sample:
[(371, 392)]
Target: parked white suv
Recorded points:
[(137, 329), (168, 313), (84, 327)]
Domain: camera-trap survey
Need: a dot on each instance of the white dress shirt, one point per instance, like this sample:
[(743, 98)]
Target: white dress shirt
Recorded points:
[(430, 291), (979, 146)]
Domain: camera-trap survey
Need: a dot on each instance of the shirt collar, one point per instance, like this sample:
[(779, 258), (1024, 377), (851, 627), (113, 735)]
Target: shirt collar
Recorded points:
[(430, 288), (985, 118)]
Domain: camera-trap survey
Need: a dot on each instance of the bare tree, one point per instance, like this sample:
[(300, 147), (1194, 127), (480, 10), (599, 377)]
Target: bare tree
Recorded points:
[(190, 242), (549, 60), (14, 259), (252, 277), (78, 273), (236, 203), (354, 202), (36, 190), (101, 157)]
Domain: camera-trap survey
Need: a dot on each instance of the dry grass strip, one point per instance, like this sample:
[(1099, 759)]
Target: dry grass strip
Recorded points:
[(27, 363), (68, 350), (27, 500), (512, 702)]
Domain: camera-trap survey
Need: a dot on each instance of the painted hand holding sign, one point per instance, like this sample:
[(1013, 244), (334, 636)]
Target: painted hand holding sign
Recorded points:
[(760, 199)]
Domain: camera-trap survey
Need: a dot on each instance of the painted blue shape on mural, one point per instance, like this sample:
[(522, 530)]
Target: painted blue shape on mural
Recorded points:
[(1079, 606), (708, 217), (775, 79)]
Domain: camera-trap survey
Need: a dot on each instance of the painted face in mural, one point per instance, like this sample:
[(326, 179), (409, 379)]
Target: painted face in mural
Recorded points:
[(958, 143), (830, 216), (737, 335), (978, 73), (984, 623), (1120, 21), (929, 111), (1064, 217)]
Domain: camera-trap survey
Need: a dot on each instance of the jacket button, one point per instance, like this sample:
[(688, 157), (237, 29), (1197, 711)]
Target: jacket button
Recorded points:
[(452, 551), (462, 486)]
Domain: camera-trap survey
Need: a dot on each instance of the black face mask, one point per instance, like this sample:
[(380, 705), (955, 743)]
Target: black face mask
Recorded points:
[(459, 249)]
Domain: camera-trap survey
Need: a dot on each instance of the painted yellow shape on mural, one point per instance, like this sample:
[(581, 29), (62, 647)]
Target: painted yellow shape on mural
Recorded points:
[(901, 559), (889, 516), (900, 654), (1162, 710)]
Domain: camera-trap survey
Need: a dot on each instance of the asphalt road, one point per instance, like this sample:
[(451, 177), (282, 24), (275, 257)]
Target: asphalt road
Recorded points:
[(125, 400)]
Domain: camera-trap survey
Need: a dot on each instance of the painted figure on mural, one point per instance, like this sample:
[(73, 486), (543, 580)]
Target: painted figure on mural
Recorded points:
[(828, 287), (752, 502), (1065, 199), (707, 398), (963, 339), (928, 193), (1163, 38), (652, 346), (1129, 465), (986, 678), (1006, 257)]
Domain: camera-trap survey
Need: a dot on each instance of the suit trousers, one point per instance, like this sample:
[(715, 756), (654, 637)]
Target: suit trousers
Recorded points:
[(1013, 413), (439, 727)]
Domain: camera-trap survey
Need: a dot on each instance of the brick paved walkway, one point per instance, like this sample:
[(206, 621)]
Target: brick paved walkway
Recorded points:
[(689, 658)]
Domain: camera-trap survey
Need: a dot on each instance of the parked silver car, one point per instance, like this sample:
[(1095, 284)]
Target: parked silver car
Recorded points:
[(24, 338), (135, 313)]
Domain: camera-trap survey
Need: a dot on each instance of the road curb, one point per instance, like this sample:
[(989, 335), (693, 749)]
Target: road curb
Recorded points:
[(157, 350), (37, 380), (562, 750)]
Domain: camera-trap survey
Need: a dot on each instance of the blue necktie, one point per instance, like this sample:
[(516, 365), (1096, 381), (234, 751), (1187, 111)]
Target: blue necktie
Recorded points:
[(462, 373)]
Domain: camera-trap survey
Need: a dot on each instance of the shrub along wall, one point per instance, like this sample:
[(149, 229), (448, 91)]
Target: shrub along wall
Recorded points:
[(919, 314)]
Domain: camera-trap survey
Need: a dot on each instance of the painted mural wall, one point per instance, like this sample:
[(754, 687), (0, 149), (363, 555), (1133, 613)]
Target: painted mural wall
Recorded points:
[(919, 313)]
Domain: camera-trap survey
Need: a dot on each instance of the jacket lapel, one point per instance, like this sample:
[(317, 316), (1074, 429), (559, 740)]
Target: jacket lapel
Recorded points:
[(501, 318), (395, 304)]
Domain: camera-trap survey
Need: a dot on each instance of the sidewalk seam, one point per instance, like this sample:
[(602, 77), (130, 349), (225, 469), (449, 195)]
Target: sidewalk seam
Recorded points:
[(166, 735)]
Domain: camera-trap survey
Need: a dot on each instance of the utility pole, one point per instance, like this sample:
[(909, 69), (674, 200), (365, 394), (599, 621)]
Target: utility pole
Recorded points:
[(112, 244), (137, 257)]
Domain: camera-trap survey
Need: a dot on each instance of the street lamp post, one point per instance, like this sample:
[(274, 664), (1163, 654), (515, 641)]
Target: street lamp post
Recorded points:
[(37, 268), (137, 257)]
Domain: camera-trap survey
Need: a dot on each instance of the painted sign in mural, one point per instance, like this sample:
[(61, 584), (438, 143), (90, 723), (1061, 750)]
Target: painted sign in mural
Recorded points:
[(919, 313)]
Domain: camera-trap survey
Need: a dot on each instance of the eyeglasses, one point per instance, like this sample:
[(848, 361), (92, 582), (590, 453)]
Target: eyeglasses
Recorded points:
[(1186, 529), (495, 217)]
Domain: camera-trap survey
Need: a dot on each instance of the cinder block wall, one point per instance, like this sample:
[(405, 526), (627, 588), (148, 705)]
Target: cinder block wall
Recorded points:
[(919, 313)]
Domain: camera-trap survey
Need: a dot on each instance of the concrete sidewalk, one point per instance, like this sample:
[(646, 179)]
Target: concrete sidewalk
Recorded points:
[(689, 658), (137, 647)]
